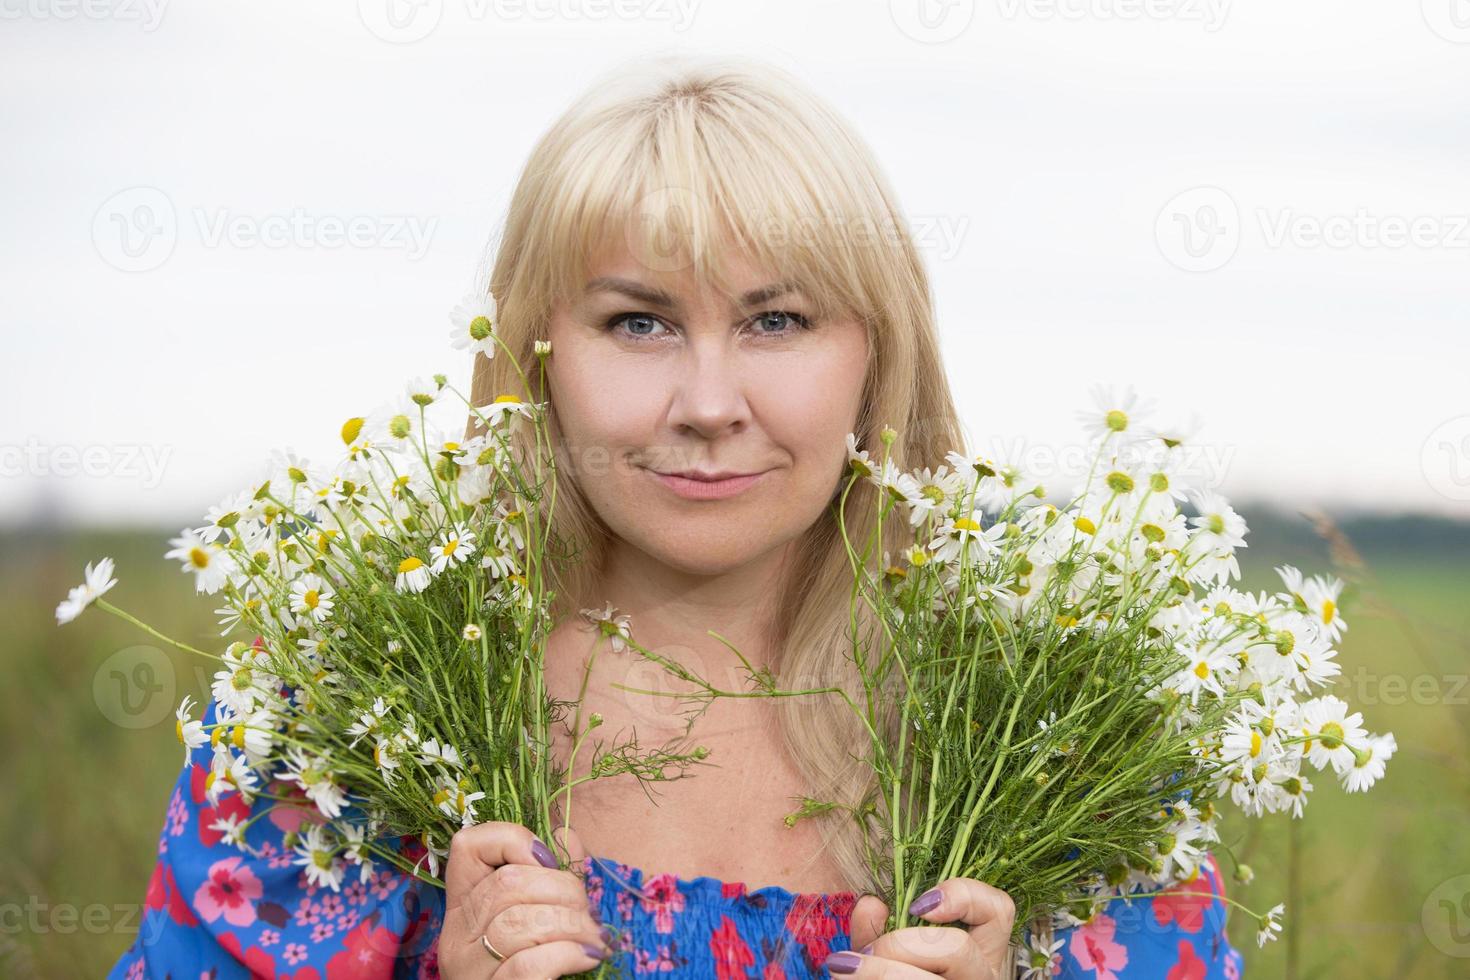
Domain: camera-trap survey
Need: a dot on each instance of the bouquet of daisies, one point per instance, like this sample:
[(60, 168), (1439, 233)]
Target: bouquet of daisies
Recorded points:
[(397, 607), (1078, 690)]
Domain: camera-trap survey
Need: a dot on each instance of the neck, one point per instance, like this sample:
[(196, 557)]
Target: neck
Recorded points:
[(672, 609)]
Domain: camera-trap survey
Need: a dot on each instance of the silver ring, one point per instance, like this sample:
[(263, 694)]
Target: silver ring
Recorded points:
[(490, 948)]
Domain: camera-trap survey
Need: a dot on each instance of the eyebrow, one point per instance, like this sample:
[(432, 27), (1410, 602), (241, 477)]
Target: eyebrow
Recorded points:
[(638, 291)]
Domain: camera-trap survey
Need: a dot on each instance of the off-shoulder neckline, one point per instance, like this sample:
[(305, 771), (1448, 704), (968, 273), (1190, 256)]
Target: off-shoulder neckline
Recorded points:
[(714, 887)]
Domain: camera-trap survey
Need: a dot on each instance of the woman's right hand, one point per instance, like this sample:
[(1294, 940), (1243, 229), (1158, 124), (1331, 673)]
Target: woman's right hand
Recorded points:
[(503, 884)]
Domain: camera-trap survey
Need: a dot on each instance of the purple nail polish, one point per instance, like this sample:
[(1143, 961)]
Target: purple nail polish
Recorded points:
[(610, 936), (843, 962), (593, 951), (867, 950), (927, 902), (543, 854)]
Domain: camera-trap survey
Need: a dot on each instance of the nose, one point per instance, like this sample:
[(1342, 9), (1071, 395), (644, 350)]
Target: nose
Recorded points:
[(709, 396)]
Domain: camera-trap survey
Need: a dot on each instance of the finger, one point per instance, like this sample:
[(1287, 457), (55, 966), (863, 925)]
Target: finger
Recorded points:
[(523, 926), (521, 884), (869, 919), (476, 851), (933, 951), (985, 910), (568, 845), (873, 967), (558, 959)]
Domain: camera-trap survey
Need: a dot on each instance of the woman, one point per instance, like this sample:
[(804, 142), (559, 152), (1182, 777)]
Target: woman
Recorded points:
[(729, 289)]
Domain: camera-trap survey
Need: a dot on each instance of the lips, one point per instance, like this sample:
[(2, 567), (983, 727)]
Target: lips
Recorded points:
[(711, 477), (714, 485)]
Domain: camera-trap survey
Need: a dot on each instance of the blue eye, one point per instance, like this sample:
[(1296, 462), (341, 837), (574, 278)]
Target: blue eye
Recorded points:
[(802, 323), (642, 325), (643, 319)]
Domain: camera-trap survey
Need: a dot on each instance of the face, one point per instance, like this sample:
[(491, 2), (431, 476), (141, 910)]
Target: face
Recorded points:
[(646, 386)]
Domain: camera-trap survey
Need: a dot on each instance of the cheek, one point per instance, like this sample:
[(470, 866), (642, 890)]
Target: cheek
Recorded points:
[(602, 404), (812, 403)]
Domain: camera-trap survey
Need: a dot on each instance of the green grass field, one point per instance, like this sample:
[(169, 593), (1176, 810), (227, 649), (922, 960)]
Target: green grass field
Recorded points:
[(1377, 885)]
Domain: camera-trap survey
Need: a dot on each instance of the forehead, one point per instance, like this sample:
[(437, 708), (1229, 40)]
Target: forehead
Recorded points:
[(740, 279)]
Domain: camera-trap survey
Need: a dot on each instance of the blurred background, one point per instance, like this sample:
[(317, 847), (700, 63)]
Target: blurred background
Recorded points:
[(230, 226)]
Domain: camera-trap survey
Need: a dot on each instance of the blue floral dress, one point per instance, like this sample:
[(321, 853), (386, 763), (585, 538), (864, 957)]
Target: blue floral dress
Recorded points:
[(213, 910)]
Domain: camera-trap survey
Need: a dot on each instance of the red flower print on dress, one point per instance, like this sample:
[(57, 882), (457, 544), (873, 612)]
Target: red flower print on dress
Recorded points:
[(230, 891), (232, 805), (1093, 946), (370, 952), (662, 897), (256, 960), (164, 891), (1185, 902), (731, 953), (1189, 966), (814, 919)]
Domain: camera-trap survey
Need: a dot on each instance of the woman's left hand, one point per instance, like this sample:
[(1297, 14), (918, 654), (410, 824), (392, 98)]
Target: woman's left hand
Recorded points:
[(977, 952)]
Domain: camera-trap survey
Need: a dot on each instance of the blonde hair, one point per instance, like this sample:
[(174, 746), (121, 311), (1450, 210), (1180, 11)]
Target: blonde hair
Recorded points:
[(682, 159)]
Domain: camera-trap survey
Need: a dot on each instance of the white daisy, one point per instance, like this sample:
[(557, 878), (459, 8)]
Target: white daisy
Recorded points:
[(319, 857), (503, 407), (1270, 924), (455, 546), (208, 560), (1336, 735), (315, 777), (312, 598), (472, 324), (189, 730), (1368, 763), (96, 580), (1116, 414), (618, 629), (858, 459), (413, 575)]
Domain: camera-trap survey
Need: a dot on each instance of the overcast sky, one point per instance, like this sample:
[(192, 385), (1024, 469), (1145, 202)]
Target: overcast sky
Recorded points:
[(1257, 211)]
